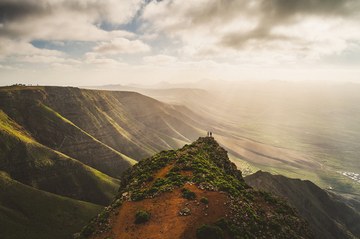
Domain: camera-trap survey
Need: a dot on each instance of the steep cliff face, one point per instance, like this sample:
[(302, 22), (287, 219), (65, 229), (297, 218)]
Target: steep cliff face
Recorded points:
[(327, 214), (193, 192)]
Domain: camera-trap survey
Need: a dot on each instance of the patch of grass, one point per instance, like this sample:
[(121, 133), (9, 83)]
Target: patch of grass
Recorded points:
[(138, 195), (12, 128), (209, 232), (204, 200), (186, 193), (142, 216)]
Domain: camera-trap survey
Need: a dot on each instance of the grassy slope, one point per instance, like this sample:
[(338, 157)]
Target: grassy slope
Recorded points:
[(74, 121), (328, 216), (36, 165), (28, 213), (133, 124), (29, 109)]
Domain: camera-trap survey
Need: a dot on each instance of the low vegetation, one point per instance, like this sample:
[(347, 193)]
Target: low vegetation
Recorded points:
[(209, 232), (204, 200), (186, 193), (142, 216)]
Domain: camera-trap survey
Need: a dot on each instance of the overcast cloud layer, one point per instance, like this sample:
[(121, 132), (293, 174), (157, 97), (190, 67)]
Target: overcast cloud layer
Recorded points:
[(171, 39)]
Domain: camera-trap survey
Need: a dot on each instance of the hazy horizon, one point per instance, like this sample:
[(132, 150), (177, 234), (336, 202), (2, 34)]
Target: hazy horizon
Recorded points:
[(93, 42)]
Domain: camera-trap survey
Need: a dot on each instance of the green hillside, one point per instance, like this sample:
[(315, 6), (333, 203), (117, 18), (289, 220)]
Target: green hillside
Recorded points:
[(28, 213), (28, 108), (31, 163), (115, 127)]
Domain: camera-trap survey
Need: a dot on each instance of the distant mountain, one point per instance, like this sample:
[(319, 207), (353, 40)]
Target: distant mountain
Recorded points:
[(193, 192), (328, 214)]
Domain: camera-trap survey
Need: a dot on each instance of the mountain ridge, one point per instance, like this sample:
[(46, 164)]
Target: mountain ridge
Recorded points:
[(202, 191)]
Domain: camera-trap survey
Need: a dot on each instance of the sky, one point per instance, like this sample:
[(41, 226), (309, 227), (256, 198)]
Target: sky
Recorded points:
[(97, 42)]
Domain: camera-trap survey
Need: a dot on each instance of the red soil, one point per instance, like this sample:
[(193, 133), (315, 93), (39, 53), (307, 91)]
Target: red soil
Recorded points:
[(165, 221), (186, 173), (162, 172)]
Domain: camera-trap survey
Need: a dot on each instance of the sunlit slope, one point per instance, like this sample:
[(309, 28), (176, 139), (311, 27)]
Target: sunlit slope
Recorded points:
[(36, 165), (28, 107), (132, 124), (28, 213)]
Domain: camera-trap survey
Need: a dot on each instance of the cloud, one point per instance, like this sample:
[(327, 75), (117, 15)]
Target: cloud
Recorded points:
[(63, 19), (121, 46), (92, 58), (159, 59), (227, 27), (47, 59), (186, 39), (20, 48)]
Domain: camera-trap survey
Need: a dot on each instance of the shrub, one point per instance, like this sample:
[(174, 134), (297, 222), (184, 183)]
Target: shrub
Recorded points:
[(103, 216), (204, 200), (117, 203), (222, 223), (153, 190), (176, 179), (268, 197), (160, 182), (175, 169), (88, 230), (186, 193), (209, 232), (150, 178), (137, 195), (142, 216)]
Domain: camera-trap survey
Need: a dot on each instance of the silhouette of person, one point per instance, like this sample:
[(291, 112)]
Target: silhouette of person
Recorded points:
[(210, 134)]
